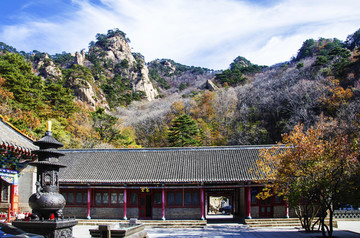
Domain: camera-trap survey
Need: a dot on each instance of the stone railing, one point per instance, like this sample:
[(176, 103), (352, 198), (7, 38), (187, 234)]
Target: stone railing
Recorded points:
[(352, 214)]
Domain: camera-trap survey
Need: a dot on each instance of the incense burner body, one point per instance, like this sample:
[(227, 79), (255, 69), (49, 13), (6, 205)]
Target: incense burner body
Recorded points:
[(47, 204)]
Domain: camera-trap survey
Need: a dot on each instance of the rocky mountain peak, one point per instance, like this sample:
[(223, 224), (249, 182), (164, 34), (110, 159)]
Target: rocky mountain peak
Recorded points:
[(117, 59), (45, 67), (241, 62), (118, 50), (170, 67), (353, 40), (80, 57)]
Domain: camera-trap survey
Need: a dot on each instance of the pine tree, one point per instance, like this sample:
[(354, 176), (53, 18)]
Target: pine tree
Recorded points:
[(21, 81), (105, 125), (184, 132)]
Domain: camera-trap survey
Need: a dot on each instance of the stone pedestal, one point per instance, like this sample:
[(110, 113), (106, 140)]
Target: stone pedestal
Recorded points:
[(61, 228)]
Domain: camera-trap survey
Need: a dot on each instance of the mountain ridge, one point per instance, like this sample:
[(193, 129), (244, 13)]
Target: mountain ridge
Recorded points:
[(246, 103)]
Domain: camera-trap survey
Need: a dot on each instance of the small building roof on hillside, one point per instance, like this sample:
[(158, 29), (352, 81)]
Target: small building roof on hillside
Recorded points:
[(12, 139), (161, 165)]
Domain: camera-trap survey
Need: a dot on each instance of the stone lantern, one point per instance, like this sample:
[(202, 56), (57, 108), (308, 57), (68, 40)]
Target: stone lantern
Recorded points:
[(47, 203)]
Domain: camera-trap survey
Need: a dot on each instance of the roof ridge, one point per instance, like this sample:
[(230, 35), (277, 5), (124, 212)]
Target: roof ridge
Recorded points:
[(180, 149)]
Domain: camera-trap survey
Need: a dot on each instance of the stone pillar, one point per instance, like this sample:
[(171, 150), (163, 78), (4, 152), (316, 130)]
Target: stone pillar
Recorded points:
[(202, 203), (88, 203), (248, 202), (125, 203), (163, 204)]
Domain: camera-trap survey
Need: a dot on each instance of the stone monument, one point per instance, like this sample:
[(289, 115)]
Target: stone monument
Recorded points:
[(47, 203)]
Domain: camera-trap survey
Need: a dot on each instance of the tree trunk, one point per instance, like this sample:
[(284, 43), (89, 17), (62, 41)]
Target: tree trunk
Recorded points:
[(331, 229), (322, 224)]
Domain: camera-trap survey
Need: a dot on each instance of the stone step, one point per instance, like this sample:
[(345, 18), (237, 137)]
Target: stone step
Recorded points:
[(148, 223), (278, 222), (271, 219), (139, 221), (273, 222), (276, 225), (176, 225)]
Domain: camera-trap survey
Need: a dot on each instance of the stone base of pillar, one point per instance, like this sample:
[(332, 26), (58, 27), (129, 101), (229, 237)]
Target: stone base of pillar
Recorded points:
[(163, 218), (125, 218), (50, 228), (88, 217)]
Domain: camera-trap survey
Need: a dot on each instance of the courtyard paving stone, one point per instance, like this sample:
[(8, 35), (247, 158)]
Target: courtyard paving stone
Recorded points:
[(347, 229)]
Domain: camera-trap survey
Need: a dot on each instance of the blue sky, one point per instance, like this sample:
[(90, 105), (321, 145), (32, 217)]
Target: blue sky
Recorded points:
[(207, 33)]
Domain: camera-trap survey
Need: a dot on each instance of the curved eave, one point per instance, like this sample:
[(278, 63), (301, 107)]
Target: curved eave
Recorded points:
[(17, 148), (13, 139), (167, 181)]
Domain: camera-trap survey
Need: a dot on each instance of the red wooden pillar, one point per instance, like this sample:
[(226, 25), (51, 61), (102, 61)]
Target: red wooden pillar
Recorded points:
[(163, 204), (202, 203), (125, 203), (88, 203), (248, 202), (14, 199)]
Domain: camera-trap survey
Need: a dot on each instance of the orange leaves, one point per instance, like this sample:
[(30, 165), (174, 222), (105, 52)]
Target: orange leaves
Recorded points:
[(4, 94), (2, 81), (178, 108), (204, 107), (307, 161), (337, 96)]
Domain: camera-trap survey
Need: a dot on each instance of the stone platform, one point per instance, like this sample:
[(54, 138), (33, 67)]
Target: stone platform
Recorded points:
[(148, 223), (120, 230), (49, 228)]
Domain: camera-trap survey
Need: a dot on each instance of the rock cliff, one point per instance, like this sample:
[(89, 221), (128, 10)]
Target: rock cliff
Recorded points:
[(109, 75), (117, 58), (80, 58), (45, 67), (87, 94), (76, 77)]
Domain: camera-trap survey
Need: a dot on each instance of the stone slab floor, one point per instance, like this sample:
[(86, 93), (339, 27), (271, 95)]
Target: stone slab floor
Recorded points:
[(348, 229)]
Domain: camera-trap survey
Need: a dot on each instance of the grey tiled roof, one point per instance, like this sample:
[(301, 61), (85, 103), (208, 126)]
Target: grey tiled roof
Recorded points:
[(166, 165), (11, 138)]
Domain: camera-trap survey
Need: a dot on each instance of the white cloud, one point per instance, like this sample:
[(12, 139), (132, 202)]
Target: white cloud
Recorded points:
[(208, 33)]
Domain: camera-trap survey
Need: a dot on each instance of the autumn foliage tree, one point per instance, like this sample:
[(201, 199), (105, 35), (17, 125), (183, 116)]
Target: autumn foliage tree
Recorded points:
[(337, 96), (310, 170), (109, 130)]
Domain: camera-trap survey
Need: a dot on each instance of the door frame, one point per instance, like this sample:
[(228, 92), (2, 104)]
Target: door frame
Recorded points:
[(268, 206), (145, 205), (227, 193)]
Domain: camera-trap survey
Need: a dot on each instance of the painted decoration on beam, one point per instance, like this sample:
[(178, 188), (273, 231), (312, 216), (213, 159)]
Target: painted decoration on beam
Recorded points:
[(11, 160), (9, 176)]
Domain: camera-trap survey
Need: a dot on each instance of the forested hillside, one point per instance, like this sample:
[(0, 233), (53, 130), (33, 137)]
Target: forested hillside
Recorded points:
[(110, 97)]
